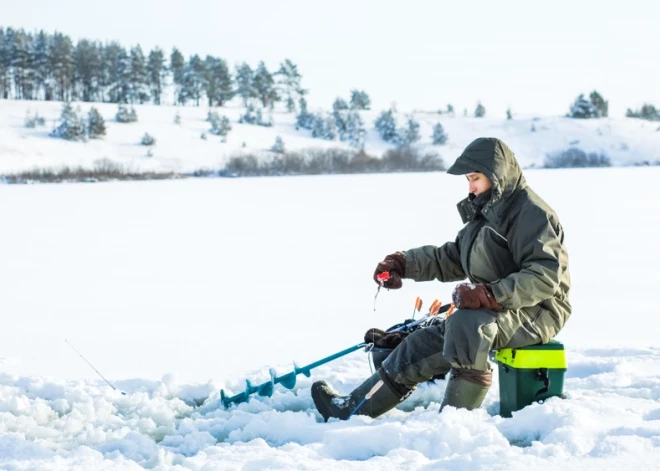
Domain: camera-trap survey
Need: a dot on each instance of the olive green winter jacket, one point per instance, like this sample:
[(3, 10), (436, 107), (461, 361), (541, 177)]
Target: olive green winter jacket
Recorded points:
[(515, 242)]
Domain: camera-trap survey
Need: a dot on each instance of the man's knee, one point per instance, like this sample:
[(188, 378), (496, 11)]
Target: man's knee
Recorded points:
[(418, 358), (469, 337)]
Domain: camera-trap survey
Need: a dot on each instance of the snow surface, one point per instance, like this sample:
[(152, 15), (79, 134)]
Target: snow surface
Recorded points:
[(176, 289), (180, 148)]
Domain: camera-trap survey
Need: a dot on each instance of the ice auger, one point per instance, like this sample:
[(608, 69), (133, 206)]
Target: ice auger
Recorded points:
[(288, 380)]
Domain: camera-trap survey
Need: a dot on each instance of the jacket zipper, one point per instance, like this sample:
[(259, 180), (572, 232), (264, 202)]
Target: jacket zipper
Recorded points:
[(469, 254)]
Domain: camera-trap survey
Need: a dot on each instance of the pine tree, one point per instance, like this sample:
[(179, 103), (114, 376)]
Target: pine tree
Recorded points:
[(61, 54), (88, 70), (355, 130), (119, 89), (600, 104), (5, 64), (264, 86), (33, 121), (20, 64), (177, 69), (194, 80), (148, 140), (278, 147), (439, 135), (71, 126), (410, 133), (479, 111), (324, 127), (648, 112), (360, 100), (339, 104), (340, 123), (41, 65), (450, 109), (583, 109), (245, 83), (218, 81), (95, 124), (386, 126), (138, 76), (508, 114), (220, 125), (289, 82), (305, 119), (124, 115), (254, 115), (156, 73), (111, 80)]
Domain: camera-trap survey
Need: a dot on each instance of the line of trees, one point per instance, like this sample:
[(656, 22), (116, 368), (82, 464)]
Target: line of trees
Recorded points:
[(44, 66)]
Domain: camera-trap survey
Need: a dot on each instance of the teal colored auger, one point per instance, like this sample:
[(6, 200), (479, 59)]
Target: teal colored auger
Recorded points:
[(287, 380)]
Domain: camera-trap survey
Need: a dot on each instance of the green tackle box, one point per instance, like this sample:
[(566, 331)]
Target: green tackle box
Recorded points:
[(530, 374)]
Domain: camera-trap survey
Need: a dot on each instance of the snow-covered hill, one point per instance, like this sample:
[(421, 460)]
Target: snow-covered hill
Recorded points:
[(180, 148)]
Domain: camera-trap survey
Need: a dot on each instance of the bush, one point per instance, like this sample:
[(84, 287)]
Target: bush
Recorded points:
[(333, 161), (244, 165), (479, 111), (220, 125), (576, 158), (34, 121), (254, 115), (148, 140), (124, 115), (177, 118), (102, 170), (407, 158)]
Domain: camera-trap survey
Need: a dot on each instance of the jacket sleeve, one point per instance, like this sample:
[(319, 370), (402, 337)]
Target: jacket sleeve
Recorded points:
[(537, 247), (431, 262)]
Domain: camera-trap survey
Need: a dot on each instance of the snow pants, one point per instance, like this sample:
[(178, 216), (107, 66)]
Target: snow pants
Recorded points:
[(462, 341)]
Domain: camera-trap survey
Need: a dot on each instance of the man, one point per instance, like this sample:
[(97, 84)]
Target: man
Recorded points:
[(512, 251)]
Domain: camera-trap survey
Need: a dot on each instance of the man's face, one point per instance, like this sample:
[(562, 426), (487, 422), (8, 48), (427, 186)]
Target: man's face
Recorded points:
[(478, 183)]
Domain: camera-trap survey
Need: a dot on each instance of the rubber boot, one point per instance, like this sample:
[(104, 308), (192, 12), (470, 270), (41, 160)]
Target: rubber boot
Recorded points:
[(467, 388), (331, 404)]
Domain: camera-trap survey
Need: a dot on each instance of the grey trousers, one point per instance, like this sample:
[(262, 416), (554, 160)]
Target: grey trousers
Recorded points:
[(462, 341)]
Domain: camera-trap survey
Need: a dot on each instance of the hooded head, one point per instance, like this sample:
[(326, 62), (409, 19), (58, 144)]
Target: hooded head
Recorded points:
[(493, 158)]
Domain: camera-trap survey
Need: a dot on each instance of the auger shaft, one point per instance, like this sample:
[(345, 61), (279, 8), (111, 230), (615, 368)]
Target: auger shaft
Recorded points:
[(287, 380)]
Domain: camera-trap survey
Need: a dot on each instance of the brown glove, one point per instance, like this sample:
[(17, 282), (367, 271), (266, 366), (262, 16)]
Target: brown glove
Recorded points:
[(383, 339), (471, 296), (395, 264)]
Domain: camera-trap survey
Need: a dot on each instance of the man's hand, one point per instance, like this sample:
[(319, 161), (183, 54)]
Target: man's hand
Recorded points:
[(471, 296), (395, 264)]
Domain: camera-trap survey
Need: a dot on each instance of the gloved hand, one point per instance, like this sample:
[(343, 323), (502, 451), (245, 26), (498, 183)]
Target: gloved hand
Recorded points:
[(395, 264), (471, 296)]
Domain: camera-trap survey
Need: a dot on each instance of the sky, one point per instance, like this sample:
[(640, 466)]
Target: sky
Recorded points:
[(534, 57)]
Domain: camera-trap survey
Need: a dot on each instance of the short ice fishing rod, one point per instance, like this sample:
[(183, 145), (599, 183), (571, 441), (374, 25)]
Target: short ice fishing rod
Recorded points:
[(97, 371)]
